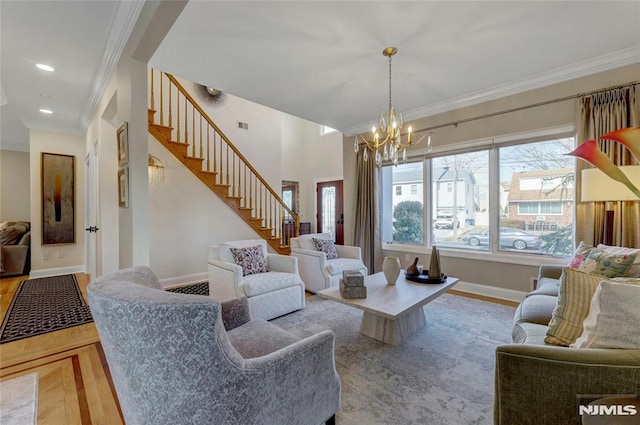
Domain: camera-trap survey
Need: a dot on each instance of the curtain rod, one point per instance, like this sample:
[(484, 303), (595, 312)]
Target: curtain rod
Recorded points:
[(521, 108)]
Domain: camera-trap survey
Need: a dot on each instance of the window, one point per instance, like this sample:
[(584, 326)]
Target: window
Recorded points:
[(463, 207), (539, 203), (529, 212), (404, 221)]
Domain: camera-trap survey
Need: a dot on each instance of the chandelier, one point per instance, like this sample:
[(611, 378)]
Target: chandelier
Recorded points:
[(390, 127)]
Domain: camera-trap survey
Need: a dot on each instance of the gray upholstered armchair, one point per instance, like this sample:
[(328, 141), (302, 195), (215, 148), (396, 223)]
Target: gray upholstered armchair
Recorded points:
[(173, 362)]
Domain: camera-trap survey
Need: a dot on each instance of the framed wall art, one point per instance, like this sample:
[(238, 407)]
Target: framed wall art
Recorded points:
[(123, 144), (123, 187), (57, 173)]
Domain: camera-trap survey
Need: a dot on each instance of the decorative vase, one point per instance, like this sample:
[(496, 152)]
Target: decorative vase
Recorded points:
[(434, 266), (412, 270), (391, 269)]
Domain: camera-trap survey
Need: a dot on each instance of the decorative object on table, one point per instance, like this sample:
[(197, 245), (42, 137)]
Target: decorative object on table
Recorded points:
[(391, 269), (352, 285), (434, 265), (57, 173), (412, 270), (424, 277), (353, 278), (123, 144)]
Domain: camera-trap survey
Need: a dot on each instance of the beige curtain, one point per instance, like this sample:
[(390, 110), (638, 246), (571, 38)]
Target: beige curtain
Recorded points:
[(598, 114), (367, 220)]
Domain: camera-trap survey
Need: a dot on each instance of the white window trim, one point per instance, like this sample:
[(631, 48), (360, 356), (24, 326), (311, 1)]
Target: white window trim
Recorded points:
[(494, 253)]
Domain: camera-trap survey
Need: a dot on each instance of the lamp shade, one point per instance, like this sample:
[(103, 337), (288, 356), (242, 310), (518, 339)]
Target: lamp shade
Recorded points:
[(597, 186)]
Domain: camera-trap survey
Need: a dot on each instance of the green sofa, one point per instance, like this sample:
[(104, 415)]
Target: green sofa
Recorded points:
[(540, 384)]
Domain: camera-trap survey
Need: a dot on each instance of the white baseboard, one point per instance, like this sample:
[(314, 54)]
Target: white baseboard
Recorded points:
[(490, 291), (184, 280), (56, 271)]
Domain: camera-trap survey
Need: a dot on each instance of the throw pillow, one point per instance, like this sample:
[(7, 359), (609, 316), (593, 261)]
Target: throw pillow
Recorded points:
[(580, 255), (251, 259), (574, 299), (326, 246), (599, 261), (634, 270), (614, 318)]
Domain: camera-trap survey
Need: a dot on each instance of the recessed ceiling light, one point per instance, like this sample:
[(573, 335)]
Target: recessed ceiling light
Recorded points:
[(46, 111), (45, 67)]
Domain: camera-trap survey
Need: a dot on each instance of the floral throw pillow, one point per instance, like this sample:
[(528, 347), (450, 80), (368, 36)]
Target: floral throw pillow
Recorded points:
[(326, 246), (251, 259), (588, 259)]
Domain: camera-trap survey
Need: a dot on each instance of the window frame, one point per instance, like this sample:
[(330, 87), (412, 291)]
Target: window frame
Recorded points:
[(494, 253)]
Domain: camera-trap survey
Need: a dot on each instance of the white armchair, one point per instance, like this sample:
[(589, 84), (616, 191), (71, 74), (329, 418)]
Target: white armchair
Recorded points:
[(316, 270), (270, 294)]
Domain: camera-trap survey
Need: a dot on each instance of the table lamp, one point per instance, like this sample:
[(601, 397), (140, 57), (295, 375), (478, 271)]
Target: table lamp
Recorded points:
[(597, 186)]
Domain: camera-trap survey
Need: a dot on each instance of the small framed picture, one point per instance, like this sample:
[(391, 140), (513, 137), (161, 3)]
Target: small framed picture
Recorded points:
[(123, 187), (123, 144)]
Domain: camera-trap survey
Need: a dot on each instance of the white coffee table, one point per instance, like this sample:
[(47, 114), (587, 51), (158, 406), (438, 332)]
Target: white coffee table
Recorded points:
[(392, 313)]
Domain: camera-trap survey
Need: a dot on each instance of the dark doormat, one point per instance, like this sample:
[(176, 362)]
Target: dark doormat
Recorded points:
[(201, 288), (44, 305)]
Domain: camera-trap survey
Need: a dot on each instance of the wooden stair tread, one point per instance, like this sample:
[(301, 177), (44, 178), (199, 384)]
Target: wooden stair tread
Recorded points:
[(215, 173), (161, 126)]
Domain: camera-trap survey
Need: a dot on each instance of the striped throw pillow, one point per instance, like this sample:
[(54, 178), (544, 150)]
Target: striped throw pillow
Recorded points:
[(574, 300)]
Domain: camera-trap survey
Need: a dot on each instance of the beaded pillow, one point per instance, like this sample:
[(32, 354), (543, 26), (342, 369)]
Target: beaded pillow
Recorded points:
[(326, 246), (251, 259)]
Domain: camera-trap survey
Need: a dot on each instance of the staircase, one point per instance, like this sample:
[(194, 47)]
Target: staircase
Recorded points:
[(181, 125)]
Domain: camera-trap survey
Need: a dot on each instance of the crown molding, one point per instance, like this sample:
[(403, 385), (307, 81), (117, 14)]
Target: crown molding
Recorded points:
[(602, 63), (121, 27)]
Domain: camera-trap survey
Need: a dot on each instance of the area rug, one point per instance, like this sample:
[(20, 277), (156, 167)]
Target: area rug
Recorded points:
[(44, 305), (443, 375), (200, 288)]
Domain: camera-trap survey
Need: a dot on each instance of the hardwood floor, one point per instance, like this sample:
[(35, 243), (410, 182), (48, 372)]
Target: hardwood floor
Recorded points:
[(74, 384)]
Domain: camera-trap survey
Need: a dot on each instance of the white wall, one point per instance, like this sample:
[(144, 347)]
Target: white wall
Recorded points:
[(56, 259), (14, 186), (185, 217)]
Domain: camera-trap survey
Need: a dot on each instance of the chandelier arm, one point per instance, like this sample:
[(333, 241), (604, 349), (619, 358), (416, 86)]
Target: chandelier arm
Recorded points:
[(408, 145)]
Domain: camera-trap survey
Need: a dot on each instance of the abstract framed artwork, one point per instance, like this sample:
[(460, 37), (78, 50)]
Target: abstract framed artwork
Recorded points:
[(123, 187), (123, 144), (58, 195)]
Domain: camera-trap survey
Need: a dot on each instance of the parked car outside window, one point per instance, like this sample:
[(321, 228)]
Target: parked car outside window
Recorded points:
[(445, 222), (509, 237)]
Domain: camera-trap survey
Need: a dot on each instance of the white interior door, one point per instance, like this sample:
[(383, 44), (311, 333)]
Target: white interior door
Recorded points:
[(92, 257)]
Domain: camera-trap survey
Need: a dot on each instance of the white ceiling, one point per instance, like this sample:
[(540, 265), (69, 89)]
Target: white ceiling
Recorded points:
[(318, 60), (82, 40)]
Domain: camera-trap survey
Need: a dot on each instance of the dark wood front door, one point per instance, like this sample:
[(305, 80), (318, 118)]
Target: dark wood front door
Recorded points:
[(330, 212)]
